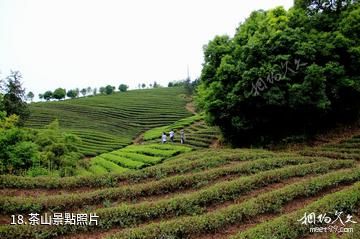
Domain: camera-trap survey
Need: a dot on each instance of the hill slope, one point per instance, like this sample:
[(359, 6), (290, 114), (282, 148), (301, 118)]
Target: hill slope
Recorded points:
[(212, 193), (105, 123), (150, 151)]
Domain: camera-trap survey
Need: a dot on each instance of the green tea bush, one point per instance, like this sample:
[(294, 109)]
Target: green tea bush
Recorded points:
[(157, 132), (288, 226), (163, 186), (267, 202)]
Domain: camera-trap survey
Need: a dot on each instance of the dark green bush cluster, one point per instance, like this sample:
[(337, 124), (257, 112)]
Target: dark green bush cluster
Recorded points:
[(284, 73), (36, 152)]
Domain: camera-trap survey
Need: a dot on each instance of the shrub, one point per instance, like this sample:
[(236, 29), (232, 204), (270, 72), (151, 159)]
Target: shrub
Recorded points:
[(22, 149), (37, 171)]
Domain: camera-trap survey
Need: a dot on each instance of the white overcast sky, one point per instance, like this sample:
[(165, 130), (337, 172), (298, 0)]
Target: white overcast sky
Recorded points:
[(80, 43)]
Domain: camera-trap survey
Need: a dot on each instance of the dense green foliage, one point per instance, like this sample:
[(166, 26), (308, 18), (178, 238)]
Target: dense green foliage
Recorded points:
[(188, 85), (72, 93), (109, 89), (12, 102), (123, 87), (105, 123), (36, 152), (47, 95), (2, 107), (284, 72), (59, 94)]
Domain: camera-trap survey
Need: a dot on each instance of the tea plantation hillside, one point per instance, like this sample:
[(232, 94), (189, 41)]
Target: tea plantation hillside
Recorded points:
[(198, 134), (149, 151), (105, 123), (205, 193)]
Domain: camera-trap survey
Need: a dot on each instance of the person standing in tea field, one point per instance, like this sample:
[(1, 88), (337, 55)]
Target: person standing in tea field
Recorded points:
[(172, 134), (182, 136), (163, 138)]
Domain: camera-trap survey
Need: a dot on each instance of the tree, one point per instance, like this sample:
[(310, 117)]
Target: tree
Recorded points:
[(17, 151), (41, 96), (83, 91), (72, 93), (59, 93), (48, 95), (325, 6), (102, 90), (156, 85), (188, 86), (88, 90), (36, 151), (143, 85), (94, 91), (14, 96), (30, 96), (109, 89), (2, 107), (179, 83), (123, 87), (284, 73)]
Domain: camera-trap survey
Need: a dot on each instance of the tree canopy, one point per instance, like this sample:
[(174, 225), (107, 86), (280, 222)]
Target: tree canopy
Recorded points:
[(59, 94), (72, 93), (2, 107), (284, 72), (102, 90), (83, 91), (109, 89), (123, 87), (30, 96), (36, 152), (48, 95), (13, 100)]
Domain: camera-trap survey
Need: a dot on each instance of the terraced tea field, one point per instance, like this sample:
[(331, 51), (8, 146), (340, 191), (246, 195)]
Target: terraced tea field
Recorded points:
[(150, 151), (346, 149), (206, 193), (131, 157), (197, 133), (106, 123)]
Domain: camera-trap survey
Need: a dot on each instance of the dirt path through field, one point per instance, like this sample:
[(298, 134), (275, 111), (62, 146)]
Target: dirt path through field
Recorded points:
[(139, 139), (191, 107)]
